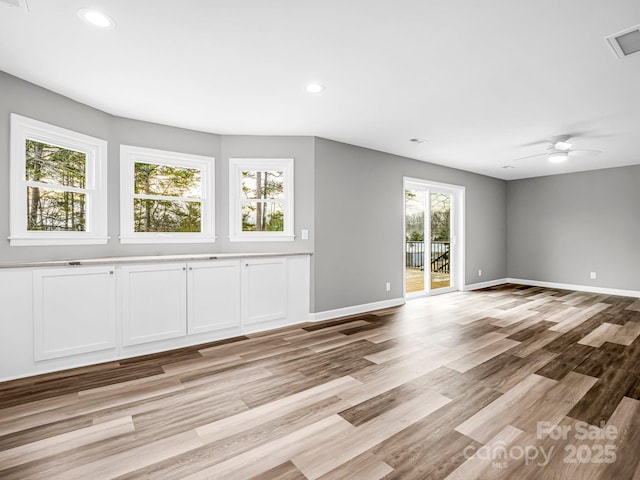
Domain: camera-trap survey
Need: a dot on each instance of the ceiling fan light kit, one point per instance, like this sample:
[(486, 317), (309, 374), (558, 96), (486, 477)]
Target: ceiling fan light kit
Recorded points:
[(563, 145), (557, 157)]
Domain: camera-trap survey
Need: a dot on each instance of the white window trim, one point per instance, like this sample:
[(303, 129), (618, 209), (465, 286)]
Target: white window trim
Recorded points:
[(23, 128), (129, 155), (236, 166)]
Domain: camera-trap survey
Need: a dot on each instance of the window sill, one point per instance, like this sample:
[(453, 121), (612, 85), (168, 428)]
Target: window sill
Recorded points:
[(49, 240), (262, 238), (168, 238)]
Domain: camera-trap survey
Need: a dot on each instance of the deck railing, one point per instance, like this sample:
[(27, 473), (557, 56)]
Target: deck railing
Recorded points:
[(414, 254), (440, 262)]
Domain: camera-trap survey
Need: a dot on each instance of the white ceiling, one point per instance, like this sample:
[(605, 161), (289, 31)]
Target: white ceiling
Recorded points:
[(483, 82)]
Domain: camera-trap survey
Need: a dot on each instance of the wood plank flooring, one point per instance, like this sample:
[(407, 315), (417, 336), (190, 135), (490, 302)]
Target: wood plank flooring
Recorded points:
[(507, 382)]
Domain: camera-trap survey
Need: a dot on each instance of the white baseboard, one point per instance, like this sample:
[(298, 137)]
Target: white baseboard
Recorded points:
[(487, 284), (354, 310), (563, 286), (579, 288), (394, 302)]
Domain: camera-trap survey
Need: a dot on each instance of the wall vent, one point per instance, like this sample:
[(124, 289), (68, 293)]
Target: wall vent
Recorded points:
[(626, 42), (16, 3)]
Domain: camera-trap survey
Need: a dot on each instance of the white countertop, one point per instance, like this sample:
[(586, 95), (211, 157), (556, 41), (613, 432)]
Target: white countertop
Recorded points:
[(145, 259)]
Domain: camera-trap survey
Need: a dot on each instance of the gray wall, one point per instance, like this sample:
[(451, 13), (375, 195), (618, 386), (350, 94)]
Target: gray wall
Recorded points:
[(18, 96), (557, 229), (358, 223), (562, 227), (298, 148)]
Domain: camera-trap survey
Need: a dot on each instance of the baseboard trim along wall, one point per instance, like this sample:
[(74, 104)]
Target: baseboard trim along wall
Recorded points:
[(369, 307), (487, 284), (354, 310), (579, 288), (563, 286)]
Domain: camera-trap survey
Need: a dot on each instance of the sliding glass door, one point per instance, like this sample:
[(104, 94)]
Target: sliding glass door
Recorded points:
[(430, 243)]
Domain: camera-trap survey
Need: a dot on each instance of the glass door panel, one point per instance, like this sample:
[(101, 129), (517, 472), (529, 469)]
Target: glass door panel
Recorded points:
[(440, 236), (415, 208)]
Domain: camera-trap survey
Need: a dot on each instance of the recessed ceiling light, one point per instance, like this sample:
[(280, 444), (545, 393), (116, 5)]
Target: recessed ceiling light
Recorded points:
[(417, 140), (96, 18), (507, 167), (557, 157), (315, 88), (626, 42)]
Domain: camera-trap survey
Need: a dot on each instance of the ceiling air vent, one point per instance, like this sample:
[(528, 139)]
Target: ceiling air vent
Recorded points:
[(16, 3), (626, 42)]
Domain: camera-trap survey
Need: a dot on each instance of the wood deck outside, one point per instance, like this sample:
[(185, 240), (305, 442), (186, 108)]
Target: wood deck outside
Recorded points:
[(415, 280), (454, 386)]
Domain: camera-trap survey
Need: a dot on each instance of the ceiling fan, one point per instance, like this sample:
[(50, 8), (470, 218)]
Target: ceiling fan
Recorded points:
[(560, 149)]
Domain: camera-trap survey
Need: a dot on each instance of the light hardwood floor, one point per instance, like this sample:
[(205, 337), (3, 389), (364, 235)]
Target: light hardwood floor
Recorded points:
[(510, 382)]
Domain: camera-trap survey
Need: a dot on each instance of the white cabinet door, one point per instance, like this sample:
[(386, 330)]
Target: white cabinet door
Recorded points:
[(264, 290), (74, 311), (214, 295), (153, 302)]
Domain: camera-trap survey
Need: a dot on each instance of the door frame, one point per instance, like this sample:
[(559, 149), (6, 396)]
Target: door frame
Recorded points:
[(457, 193)]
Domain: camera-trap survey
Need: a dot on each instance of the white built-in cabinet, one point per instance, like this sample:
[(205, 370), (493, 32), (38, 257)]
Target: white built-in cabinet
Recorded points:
[(154, 301), (213, 296), (264, 290), (87, 314), (74, 311), (169, 300)]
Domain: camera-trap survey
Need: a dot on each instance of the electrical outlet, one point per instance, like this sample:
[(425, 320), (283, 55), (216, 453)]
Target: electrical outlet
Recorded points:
[(388, 286), (593, 275), (479, 272), (305, 234)]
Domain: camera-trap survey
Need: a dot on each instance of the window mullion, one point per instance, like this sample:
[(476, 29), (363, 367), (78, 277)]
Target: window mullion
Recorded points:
[(144, 196), (55, 186)]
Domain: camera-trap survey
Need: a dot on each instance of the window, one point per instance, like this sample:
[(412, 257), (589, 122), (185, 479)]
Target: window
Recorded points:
[(58, 185), (165, 197), (261, 199)]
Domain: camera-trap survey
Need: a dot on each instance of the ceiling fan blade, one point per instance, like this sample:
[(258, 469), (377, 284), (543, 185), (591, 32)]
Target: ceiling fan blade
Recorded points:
[(530, 156), (539, 143), (563, 140), (584, 153)]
